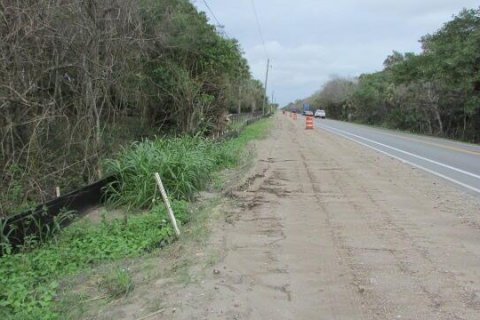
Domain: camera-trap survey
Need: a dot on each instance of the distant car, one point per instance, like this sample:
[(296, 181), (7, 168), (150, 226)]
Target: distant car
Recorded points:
[(308, 113), (320, 114)]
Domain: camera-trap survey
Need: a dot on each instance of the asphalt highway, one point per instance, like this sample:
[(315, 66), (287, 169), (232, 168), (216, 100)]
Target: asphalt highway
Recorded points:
[(456, 162)]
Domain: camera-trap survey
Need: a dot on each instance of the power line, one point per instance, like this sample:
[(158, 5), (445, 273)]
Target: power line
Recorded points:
[(259, 27), (215, 17), (211, 12)]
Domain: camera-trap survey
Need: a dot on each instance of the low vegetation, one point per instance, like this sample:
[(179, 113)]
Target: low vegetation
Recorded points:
[(29, 279), (185, 164), (32, 279)]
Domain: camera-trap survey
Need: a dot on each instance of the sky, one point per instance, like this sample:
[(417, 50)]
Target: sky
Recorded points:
[(309, 42)]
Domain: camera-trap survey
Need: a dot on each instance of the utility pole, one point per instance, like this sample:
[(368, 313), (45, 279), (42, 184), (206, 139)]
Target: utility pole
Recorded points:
[(266, 82), (271, 102)]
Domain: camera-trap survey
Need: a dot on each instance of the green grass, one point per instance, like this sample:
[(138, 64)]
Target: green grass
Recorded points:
[(31, 280), (257, 130), (186, 166), (118, 283)]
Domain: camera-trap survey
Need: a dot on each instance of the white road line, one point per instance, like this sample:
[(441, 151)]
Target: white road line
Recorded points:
[(329, 129), (407, 153)]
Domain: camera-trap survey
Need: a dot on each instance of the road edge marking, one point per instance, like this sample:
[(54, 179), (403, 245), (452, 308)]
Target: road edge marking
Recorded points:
[(418, 138), (473, 175), (405, 161), (439, 145)]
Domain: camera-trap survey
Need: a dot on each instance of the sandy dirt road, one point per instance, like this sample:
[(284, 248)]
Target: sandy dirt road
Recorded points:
[(327, 229)]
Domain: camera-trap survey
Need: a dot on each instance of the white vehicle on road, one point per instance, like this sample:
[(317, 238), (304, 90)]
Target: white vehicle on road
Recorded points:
[(320, 114)]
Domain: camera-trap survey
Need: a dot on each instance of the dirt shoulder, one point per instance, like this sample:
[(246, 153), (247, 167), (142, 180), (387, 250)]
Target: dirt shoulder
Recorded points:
[(321, 228)]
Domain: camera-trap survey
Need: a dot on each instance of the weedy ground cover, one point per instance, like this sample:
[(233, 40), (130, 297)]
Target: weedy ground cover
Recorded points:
[(30, 280)]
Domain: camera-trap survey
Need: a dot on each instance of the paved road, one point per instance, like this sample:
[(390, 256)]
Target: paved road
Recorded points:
[(456, 162)]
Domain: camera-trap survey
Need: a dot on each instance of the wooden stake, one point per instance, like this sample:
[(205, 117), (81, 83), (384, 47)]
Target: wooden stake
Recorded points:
[(167, 204)]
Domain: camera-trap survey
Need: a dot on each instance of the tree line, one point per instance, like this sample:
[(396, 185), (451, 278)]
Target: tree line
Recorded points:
[(435, 92), (78, 79)]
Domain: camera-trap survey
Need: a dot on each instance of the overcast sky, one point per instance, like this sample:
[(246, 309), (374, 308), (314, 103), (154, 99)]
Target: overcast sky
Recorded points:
[(310, 41)]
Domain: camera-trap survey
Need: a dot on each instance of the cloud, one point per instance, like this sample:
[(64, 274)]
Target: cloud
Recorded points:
[(306, 67), (309, 40)]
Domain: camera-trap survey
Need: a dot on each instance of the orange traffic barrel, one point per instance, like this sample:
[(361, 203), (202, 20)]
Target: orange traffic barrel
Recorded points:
[(309, 122)]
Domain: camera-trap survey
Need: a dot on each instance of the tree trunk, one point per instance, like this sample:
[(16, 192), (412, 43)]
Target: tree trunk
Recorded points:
[(438, 119), (239, 100)]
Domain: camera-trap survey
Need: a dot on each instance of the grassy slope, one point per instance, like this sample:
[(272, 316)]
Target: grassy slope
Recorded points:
[(30, 279)]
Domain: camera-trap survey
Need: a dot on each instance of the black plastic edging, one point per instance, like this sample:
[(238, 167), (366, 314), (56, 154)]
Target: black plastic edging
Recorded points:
[(23, 225)]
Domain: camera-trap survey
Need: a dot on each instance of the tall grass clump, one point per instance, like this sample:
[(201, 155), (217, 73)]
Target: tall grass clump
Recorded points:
[(185, 164)]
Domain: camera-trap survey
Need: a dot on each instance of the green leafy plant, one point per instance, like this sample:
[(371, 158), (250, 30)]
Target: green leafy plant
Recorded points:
[(29, 279), (44, 232)]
